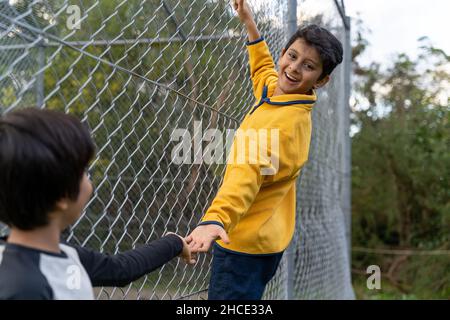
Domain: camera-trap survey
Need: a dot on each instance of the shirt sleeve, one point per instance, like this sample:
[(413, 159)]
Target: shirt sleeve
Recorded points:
[(123, 268), (234, 197), (262, 66), (21, 278), (242, 181)]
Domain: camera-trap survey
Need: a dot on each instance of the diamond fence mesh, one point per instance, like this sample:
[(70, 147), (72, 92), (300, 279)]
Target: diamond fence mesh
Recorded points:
[(134, 72)]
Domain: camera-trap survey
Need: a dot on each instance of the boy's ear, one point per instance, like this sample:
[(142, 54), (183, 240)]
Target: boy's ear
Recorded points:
[(322, 82), (62, 204)]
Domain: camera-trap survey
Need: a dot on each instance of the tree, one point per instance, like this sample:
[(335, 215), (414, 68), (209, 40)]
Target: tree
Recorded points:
[(400, 159)]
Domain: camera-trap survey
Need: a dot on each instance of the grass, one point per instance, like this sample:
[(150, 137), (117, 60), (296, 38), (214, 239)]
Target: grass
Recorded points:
[(387, 291)]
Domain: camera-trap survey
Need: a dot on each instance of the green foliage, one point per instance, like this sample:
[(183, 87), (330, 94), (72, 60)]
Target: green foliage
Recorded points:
[(400, 166)]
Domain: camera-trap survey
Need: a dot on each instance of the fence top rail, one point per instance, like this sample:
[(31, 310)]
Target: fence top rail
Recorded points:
[(150, 41)]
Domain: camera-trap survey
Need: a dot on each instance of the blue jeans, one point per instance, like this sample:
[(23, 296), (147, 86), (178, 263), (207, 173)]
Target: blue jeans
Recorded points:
[(237, 276)]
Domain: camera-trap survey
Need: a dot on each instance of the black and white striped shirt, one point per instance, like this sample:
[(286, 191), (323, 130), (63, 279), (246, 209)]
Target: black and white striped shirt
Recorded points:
[(28, 273)]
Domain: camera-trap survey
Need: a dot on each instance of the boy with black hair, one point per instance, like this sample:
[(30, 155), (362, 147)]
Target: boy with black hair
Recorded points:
[(253, 214), (43, 189)]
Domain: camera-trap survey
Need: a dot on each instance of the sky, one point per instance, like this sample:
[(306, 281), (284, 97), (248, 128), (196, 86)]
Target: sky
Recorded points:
[(397, 24)]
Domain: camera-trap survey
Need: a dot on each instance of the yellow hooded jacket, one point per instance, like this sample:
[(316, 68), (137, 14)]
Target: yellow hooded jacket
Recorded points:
[(258, 211)]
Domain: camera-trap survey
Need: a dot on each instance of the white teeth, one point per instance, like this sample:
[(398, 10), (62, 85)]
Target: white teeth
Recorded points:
[(290, 78)]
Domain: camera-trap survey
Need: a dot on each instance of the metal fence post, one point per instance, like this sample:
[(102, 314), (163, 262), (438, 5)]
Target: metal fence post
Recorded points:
[(290, 252), (291, 17), (348, 152)]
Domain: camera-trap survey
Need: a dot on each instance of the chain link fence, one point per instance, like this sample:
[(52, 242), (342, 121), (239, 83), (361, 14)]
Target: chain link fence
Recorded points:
[(134, 71)]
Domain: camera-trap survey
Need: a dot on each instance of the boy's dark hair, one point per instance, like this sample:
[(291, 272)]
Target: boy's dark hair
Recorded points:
[(43, 155), (328, 46)]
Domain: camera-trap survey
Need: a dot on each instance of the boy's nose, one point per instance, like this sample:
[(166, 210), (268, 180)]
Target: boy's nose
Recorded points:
[(294, 70)]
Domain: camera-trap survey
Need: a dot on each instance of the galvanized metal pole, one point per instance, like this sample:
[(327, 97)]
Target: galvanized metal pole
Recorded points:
[(290, 251), (348, 149), (291, 17)]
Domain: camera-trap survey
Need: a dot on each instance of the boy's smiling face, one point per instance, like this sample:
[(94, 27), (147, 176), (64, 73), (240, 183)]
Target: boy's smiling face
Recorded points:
[(300, 68)]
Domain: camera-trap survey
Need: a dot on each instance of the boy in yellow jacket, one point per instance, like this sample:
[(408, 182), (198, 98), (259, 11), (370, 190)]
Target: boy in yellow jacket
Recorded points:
[(253, 214)]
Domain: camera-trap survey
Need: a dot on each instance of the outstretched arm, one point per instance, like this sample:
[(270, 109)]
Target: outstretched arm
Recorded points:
[(232, 201), (121, 269), (202, 237)]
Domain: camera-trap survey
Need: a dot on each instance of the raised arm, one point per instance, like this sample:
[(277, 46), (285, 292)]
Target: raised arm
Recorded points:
[(262, 67), (121, 269), (246, 17)]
